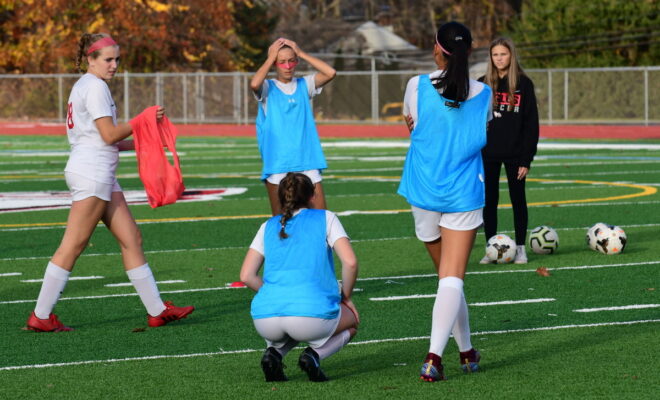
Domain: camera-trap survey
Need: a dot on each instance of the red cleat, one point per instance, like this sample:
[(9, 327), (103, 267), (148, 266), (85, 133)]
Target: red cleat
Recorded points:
[(52, 324), (432, 369), (171, 313)]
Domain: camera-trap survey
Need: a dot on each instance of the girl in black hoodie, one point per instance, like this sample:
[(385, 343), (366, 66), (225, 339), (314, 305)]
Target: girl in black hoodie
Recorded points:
[(513, 135)]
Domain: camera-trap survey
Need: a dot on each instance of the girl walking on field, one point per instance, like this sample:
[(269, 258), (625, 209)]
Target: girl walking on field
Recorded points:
[(96, 139), (442, 180), (286, 131)]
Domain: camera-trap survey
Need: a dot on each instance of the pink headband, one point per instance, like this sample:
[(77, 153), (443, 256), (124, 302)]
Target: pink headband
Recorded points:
[(101, 43), (441, 48)]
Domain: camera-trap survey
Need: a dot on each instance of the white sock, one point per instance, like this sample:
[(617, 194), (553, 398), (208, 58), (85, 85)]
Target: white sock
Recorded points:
[(334, 344), (55, 279), (461, 329), (445, 310), (284, 350), (145, 286)]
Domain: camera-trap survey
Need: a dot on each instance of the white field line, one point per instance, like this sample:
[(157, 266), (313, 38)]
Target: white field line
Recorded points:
[(73, 278), (386, 278), (11, 274), (357, 343), (578, 267), (618, 308), (483, 304), (125, 294), (130, 284)]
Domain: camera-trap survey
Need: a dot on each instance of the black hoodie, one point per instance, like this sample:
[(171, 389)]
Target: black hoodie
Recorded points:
[(513, 134)]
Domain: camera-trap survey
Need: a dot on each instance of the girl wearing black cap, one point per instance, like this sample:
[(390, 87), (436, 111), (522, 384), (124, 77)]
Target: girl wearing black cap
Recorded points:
[(446, 113)]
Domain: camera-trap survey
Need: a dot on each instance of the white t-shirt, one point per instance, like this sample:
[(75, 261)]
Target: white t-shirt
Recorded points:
[(287, 88), (91, 157), (410, 97), (334, 231)]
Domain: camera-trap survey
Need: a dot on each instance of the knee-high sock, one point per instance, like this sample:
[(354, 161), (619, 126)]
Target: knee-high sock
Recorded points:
[(290, 344), (445, 310), (55, 279), (461, 329), (334, 344), (145, 285)]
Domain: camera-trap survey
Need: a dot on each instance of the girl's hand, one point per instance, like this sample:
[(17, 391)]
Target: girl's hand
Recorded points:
[(409, 122), (160, 113), (349, 303), (294, 46), (274, 48), (522, 173)]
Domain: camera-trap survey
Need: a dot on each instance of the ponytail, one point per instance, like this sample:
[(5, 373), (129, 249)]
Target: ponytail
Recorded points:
[(455, 43), (294, 192)]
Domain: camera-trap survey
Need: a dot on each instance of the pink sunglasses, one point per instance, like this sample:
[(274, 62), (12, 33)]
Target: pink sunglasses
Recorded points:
[(287, 65)]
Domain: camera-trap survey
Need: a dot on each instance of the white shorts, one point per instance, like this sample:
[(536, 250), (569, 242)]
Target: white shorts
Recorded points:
[(82, 187), (313, 174), (427, 223), (277, 331)]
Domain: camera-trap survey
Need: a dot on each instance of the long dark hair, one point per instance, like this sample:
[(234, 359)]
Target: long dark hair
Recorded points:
[(455, 41), (513, 74), (86, 40), (294, 192)]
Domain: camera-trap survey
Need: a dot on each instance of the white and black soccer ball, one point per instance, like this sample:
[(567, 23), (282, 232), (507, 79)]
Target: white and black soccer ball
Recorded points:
[(591, 234), (501, 249), (610, 239), (543, 240)]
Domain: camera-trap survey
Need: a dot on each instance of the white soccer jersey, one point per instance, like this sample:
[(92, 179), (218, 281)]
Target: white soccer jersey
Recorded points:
[(91, 157)]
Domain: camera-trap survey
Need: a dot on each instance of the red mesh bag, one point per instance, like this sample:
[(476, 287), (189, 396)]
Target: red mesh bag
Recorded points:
[(162, 180)]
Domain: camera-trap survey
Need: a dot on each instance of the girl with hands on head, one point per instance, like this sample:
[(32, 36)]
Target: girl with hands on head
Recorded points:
[(286, 131)]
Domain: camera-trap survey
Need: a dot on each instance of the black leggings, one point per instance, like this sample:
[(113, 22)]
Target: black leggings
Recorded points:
[(516, 193)]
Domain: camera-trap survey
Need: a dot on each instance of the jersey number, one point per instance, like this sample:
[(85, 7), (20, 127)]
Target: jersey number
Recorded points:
[(69, 116)]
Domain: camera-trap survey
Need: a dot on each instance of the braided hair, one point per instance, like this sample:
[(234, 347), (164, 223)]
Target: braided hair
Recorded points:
[(86, 40), (294, 192), (455, 42)]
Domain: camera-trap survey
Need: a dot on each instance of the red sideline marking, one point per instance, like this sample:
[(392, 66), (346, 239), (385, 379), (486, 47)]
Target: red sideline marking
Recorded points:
[(366, 131)]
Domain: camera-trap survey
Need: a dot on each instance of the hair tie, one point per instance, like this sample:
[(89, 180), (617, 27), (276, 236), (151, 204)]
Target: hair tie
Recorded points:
[(441, 48), (101, 43)]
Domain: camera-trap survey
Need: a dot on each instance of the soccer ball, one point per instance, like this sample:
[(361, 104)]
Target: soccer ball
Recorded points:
[(591, 234), (501, 249), (543, 240), (610, 239)]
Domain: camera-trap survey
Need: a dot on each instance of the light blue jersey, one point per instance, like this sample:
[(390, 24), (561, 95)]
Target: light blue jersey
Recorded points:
[(443, 170), (287, 136), (299, 276)]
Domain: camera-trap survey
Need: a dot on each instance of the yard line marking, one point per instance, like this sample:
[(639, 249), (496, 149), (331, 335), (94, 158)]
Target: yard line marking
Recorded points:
[(73, 278), (130, 284), (360, 343), (632, 307), (359, 279), (107, 296), (11, 273), (490, 303), (578, 267)]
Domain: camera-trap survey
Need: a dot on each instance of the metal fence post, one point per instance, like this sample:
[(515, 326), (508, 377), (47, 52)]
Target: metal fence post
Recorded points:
[(126, 97), (549, 97), (60, 95), (184, 88), (646, 96), (374, 92), (565, 95)]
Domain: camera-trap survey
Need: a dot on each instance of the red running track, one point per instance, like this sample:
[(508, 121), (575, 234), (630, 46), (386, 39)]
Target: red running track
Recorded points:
[(631, 132)]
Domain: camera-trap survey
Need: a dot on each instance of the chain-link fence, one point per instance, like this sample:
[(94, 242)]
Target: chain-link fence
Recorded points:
[(592, 95)]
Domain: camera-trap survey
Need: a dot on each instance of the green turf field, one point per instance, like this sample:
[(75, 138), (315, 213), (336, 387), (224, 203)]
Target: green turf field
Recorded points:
[(589, 330)]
